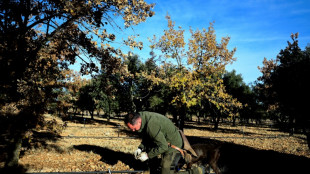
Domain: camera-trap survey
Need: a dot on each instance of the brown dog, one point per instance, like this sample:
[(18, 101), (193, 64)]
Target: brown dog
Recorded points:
[(207, 154)]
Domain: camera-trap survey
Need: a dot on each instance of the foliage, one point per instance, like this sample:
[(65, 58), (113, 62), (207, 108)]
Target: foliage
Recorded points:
[(235, 86), (207, 58), (39, 39), (171, 43), (283, 85), (86, 99), (139, 88), (106, 89), (126, 91), (264, 91)]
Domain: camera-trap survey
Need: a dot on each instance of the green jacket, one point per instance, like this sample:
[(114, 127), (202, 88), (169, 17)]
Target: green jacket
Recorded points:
[(157, 131)]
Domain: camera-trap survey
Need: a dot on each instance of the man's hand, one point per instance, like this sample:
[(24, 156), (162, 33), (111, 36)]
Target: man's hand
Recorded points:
[(143, 157), (138, 153)]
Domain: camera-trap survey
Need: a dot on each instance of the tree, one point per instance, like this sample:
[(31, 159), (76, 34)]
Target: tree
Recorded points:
[(172, 45), (67, 94), (157, 97), (263, 88), (209, 59), (106, 92), (289, 82), (86, 100), (39, 39), (203, 82), (235, 86), (73, 84), (284, 85), (160, 94), (139, 88)]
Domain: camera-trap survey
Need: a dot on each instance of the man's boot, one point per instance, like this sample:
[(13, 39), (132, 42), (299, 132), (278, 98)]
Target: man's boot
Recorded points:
[(198, 170)]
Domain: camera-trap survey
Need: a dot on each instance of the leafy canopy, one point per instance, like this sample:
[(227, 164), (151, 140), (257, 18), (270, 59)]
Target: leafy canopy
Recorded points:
[(207, 58), (40, 38)]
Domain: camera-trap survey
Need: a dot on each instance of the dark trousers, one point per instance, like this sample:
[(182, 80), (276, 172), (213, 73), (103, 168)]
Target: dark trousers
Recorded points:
[(166, 165)]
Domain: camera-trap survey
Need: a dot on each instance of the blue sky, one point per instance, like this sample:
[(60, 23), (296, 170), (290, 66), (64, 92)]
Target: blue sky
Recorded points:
[(257, 28)]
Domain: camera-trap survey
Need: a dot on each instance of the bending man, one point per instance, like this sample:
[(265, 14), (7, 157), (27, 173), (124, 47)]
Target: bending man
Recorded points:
[(158, 135)]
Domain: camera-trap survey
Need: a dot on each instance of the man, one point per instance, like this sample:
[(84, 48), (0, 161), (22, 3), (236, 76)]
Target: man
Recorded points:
[(159, 136)]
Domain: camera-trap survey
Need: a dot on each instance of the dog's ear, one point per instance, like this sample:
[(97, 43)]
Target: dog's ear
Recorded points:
[(187, 145), (187, 157)]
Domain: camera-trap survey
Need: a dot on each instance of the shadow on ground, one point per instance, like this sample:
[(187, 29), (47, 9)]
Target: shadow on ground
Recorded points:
[(88, 120), (111, 157), (238, 159), (202, 126)]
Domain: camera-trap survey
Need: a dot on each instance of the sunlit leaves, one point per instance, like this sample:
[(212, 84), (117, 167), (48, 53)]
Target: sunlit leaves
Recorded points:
[(205, 54), (201, 78), (208, 59), (172, 43)]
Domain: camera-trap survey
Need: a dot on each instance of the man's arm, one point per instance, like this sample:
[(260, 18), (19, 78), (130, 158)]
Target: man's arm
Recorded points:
[(141, 146), (158, 138)]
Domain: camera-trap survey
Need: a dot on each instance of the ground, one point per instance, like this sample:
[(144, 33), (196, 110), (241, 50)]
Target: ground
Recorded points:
[(100, 145)]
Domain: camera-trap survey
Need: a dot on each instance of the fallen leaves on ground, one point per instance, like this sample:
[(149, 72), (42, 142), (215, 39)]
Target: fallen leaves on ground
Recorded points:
[(62, 156)]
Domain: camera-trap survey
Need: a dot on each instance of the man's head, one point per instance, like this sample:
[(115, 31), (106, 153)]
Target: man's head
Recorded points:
[(133, 121)]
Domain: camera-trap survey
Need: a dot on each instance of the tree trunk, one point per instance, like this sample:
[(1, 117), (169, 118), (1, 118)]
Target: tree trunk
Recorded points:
[(234, 120), (182, 115), (109, 111), (13, 151), (175, 116), (75, 110), (291, 125), (16, 131), (200, 114), (306, 131), (91, 112), (133, 105), (182, 121), (216, 122), (15, 136)]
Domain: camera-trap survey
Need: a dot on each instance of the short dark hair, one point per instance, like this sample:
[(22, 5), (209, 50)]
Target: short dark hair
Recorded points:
[(132, 118)]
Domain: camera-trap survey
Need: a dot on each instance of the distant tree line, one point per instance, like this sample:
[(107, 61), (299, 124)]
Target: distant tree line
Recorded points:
[(278, 95), (113, 96)]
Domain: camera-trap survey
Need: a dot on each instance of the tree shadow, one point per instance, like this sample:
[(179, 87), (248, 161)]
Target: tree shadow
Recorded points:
[(244, 160), (5, 143), (129, 133), (221, 130), (16, 170), (39, 140), (87, 120), (202, 126), (112, 157)]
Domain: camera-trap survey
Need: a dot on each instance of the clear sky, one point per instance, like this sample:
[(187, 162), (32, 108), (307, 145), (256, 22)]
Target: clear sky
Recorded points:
[(258, 28)]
